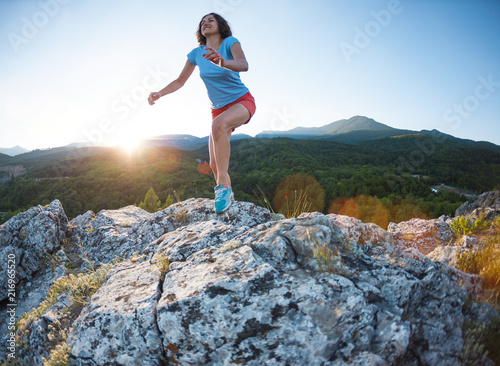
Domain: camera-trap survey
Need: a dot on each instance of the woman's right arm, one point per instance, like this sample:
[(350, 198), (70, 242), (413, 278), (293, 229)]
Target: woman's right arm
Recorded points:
[(174, 85)]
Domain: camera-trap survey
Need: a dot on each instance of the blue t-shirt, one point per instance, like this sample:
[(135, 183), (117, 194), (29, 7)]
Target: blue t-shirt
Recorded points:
[(223, 86)]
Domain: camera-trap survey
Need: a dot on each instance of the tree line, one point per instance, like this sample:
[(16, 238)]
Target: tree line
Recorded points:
[(337, 178)]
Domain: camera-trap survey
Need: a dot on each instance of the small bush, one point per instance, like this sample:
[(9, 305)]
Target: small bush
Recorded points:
[(290, 206), (181, 216), (59, 356), (486, 262), (481, 341), (162, 262), (298, 193), (151, 202), (463, 226), (84, 286), (80, 288), (295, 204)]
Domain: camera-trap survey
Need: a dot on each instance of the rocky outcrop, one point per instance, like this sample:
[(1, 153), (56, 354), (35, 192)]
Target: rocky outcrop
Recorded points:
[(449, 253), (118, 233), (267, 302), (424, 235), (487, 205), (443, 249), (28, 237), (249, 287), (28, 242)]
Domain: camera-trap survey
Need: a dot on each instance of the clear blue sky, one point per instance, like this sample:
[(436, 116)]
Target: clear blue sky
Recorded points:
[(78, 70)]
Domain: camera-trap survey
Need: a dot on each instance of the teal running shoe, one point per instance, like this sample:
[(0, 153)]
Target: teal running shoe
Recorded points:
[(223, 197)]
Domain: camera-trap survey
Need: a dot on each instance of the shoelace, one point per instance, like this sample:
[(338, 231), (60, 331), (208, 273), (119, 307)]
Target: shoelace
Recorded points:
[(219, 192)]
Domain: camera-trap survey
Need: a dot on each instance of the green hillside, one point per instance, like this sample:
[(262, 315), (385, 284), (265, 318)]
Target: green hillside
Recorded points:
[(394, 175)]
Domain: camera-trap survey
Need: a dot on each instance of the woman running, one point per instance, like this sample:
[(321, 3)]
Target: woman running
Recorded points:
[(220, 59)]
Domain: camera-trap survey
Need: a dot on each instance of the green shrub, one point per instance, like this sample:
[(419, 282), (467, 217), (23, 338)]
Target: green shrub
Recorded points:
[(463, 226), (480, 341), (59, 356), (485, 262), (151, 202), (80, 288), (84, 286)]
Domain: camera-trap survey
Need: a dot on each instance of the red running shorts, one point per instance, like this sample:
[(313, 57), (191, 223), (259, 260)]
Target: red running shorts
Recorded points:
[(247, 100)]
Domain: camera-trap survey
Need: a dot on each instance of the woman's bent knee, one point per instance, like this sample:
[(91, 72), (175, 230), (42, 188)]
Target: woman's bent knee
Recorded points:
[(218, 129)]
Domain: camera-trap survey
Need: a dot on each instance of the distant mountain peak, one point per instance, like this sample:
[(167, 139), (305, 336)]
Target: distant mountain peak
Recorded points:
[(13, 151), (343, 126), (356, 123)]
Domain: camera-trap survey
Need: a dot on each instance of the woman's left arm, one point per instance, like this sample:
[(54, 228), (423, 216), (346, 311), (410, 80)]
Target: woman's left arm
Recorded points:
[(239, 63)]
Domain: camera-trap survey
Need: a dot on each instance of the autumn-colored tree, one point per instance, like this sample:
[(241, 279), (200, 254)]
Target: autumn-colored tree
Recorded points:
[(362, 207), (298, 193)]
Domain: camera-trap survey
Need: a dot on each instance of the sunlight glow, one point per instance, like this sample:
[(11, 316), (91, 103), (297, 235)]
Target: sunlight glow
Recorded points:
[(129, 144)]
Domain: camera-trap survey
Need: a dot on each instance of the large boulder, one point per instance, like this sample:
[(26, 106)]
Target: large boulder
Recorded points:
[(424, 235), (249, 287), (29, 243), (487, 205), (29, 236), (118, 233), (236, 294), (261, 299)]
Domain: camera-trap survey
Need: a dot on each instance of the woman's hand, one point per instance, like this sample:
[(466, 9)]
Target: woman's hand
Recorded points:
[(153, 97), (213, 56)]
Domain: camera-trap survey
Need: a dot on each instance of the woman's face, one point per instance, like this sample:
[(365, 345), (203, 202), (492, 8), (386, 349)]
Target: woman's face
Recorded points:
[(209, 25)]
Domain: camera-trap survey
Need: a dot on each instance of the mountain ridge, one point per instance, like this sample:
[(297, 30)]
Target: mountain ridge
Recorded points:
[(354, 123), (13, 151), (355, 130)]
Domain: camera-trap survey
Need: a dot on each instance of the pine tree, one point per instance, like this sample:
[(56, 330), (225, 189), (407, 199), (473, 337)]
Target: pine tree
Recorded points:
[(169, 201), (151, 202)]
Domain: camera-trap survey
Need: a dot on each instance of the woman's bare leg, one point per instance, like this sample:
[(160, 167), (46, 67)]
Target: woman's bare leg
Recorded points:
[(220, 149), (211, 152)]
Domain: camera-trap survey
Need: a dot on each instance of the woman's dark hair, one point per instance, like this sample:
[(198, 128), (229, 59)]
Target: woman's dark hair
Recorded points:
[(224, 29)]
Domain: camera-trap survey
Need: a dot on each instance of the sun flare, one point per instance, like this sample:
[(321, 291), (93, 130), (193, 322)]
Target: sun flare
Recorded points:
[(129, 144)]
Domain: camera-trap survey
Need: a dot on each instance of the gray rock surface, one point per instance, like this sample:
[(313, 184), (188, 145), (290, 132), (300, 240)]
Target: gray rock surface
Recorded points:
[(28, 237), (446, 254), (424, 235), (255, 295), (28, 240), (119, 325), (119, 233), (247, 287), (487, 205)]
